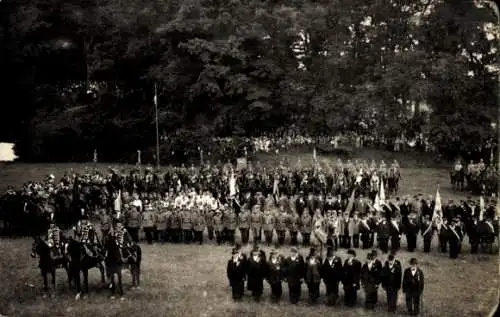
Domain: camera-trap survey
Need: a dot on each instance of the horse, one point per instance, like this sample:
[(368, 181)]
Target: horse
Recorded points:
[(47, 263), (393, 178), (132, 258), (80, 262), (114, 261)]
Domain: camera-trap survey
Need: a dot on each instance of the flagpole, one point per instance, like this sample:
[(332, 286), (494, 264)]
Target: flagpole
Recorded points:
[(157, 129)]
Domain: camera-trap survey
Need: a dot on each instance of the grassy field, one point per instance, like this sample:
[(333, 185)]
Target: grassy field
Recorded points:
[(190, 280)]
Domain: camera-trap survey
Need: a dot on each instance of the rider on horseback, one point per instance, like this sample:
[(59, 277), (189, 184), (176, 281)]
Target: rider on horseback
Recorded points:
[(123, 239), (86, 233), (54, 237)]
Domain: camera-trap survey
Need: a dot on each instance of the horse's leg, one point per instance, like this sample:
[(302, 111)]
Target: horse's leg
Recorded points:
[(53, 281), (85, 272), (45, 283), (112, 285), (101, 267), (138, 273), (120, 285)]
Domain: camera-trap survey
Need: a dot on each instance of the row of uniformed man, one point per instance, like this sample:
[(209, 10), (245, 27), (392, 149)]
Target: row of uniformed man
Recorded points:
[(187, 224), (295, 271)]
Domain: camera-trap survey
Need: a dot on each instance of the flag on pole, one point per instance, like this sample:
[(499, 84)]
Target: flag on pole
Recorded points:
[(350, 203), (232, 184), (155, 98), (376, 204), (437, 205), (482, 208), (382, 192)]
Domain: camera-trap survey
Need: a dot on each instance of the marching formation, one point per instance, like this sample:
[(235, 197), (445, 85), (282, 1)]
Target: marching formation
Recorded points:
[(295, 271)]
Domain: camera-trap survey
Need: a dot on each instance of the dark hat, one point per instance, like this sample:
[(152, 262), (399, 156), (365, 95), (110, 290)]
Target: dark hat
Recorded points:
[(235, 251), (312, 251), (413, 261), (351, 252), (294, 250), (391, 257), (237, 246), (374, 252), (370, 256)]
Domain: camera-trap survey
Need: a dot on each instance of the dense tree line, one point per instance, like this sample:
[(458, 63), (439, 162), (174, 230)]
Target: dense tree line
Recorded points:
[(79, 75)]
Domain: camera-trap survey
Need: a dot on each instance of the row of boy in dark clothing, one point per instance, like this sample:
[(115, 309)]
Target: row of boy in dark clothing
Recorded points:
[(294, 270)]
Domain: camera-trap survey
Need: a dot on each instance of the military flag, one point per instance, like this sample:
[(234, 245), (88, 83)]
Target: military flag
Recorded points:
[(382, 192), (232, 184), (438, 210), (482, 208)]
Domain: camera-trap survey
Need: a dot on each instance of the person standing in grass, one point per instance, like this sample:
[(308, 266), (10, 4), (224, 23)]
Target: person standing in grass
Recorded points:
[(236, 273), (391, 281), (413, 287), (351, 278), (294, 274)]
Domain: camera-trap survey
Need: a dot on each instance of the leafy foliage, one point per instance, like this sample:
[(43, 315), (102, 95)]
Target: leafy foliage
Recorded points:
[(82, 73)]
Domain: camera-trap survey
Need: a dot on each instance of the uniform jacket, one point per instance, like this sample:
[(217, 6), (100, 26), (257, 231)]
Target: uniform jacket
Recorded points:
[(306, 223), (218, 221), (230, 221), (268, 222), (133, 219), (148, 219), (162, 221), (244, 219), (199, 221), (187, 220), (256, 220)]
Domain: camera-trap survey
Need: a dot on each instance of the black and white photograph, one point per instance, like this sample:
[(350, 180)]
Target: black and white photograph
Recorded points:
[(250, 158)]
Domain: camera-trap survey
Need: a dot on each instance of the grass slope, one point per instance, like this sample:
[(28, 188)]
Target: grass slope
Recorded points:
[(190, 280)]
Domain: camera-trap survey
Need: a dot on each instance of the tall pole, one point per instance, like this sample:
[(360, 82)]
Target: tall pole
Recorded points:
[(157, 129)]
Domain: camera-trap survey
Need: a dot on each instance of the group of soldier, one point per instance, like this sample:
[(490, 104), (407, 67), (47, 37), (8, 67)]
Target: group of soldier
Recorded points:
[(183, 203), (295, 271), (186, 216)]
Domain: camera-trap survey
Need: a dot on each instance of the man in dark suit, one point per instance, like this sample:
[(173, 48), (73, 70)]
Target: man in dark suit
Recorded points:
[(236, 273), (313, 275), (391, 281), (256, 271), (351, 278), (413, 286), (275, 275), (294, 273), (370, 279), (331, 273), (411, 230)]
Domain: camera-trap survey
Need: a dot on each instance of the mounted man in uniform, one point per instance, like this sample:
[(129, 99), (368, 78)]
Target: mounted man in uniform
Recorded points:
[(87, 235), (54, 241)]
